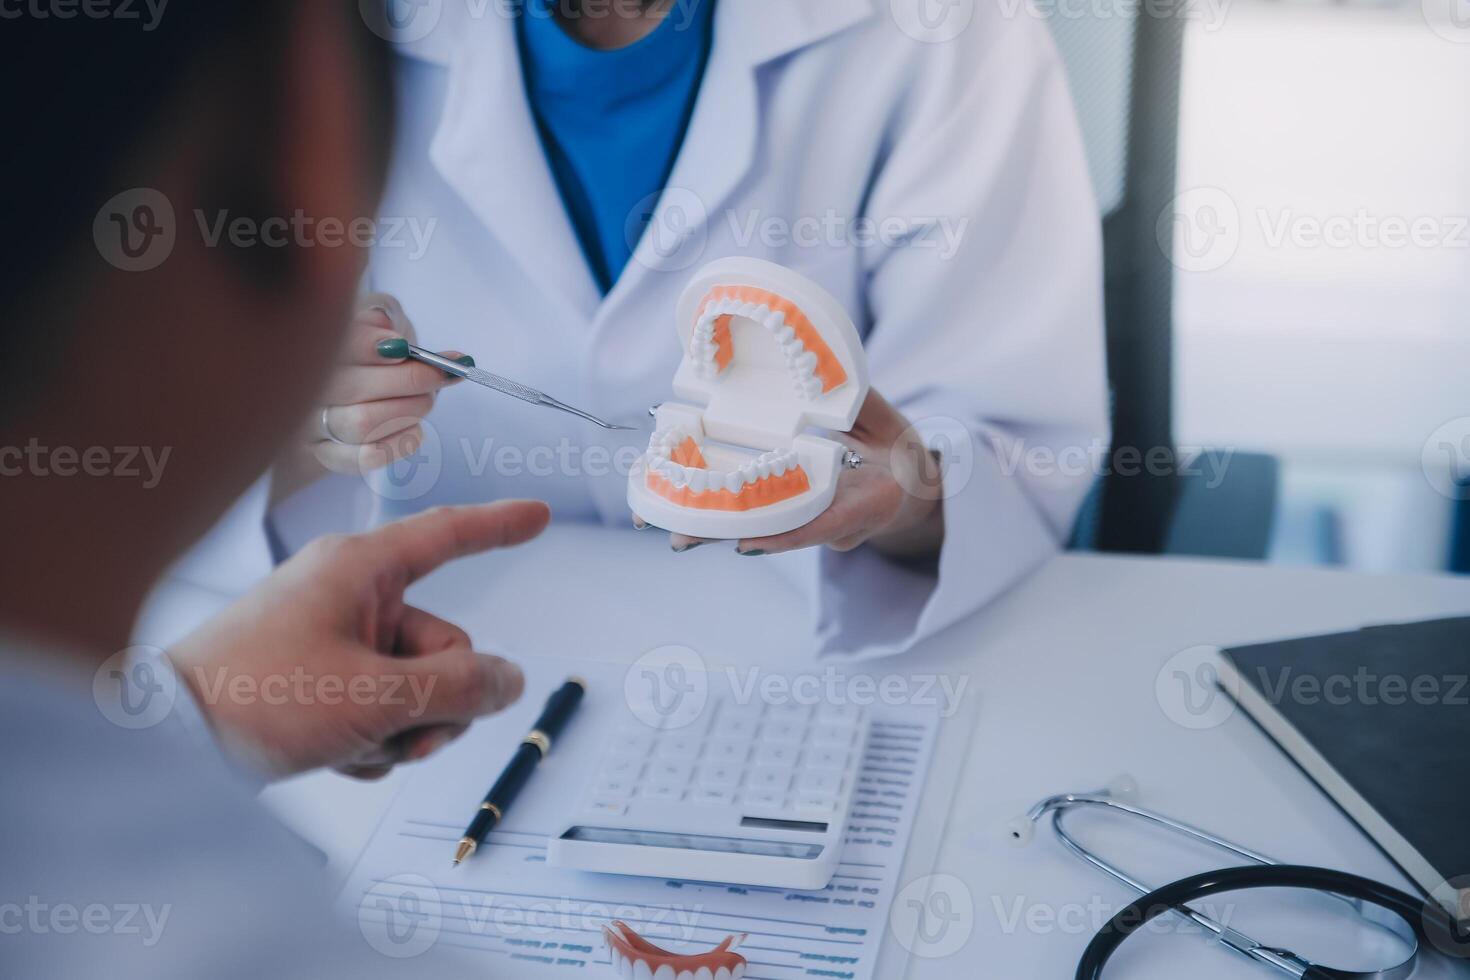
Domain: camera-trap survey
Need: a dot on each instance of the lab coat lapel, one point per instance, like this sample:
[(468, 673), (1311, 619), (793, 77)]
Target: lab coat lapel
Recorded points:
[(488, 149), (719, 148)]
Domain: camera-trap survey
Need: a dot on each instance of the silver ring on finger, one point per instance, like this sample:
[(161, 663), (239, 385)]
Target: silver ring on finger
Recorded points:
[(326, 427), (852, 459)]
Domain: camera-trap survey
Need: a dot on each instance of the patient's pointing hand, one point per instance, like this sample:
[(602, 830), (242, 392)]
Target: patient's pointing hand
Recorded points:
[(324, 664)]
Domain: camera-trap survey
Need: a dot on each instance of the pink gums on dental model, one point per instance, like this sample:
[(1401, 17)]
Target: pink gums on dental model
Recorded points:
[(635, 958)]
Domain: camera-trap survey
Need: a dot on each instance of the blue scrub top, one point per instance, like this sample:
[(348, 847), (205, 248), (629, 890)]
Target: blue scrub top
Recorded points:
[(611, 122)]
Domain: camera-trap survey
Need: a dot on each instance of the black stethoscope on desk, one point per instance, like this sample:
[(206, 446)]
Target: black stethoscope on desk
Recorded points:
[(1412, 921)]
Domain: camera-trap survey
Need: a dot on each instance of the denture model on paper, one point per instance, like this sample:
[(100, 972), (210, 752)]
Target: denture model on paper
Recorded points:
[(769, 354), (635, 958)]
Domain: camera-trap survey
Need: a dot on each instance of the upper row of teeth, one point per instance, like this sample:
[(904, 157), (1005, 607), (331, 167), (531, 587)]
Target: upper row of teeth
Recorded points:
[(800, 362), (773, 463)]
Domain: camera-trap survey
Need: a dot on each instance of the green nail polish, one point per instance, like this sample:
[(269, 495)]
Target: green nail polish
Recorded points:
[(394, 347), (755, 553), (466, 360)]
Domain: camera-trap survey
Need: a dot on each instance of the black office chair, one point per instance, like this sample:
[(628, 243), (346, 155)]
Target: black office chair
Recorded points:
[(1125, 81)]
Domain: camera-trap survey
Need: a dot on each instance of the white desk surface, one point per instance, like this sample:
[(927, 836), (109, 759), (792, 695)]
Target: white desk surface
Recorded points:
[(1061, 697)]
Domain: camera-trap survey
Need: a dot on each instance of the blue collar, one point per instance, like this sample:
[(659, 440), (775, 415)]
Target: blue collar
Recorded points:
[(556, 64)]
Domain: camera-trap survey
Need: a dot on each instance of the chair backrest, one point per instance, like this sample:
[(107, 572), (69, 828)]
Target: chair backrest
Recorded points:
[(1123, 61)]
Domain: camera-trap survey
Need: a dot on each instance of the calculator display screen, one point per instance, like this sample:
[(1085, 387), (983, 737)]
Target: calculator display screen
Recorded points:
[(694, 842)]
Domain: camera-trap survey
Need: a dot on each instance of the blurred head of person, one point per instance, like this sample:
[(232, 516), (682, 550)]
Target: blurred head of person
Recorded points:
[(186, 193)]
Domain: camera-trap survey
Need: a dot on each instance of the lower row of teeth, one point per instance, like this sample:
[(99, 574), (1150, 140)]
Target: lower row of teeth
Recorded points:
[(768, 464)]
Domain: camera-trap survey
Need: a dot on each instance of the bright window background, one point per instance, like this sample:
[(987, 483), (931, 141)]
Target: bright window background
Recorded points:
[(1341, 354)]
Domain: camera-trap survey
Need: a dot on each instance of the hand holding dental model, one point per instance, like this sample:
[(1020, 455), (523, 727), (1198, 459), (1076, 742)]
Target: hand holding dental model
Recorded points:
[(771, 354)]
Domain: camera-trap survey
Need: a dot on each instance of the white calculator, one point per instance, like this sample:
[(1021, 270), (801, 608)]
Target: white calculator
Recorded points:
[(745, 793)]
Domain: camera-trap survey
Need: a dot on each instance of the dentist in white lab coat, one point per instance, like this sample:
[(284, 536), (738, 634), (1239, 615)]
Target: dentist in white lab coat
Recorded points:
[(928, 173)]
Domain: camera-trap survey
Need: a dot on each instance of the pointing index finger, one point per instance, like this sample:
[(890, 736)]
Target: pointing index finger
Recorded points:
[(422, 543)]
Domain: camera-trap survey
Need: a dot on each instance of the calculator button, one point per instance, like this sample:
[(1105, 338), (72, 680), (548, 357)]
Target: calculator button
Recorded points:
[(663, 771), (771, 778), (680, 747), (730, 750), (833, 759), (783, 731), (833, 734), (776, 754), (622, 768), (824, 783), (789, 712), (764, 799), (631, 745), (814, 804), (846, 713), (718, 776), (736, 728), (706, 796), (614, 789), (668, 792), (607, 808), (734, 709)]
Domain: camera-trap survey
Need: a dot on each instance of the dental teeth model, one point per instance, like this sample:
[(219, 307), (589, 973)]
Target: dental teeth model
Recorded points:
[(770, 355), (635, 958)]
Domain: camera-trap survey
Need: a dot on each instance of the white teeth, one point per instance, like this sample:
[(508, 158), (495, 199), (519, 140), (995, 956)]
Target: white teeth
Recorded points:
[(777, 322), (738, 972), (697, 480), (679, 477), (763, 467), (665, 972), (806, 363), (641, 971), (812, 387), (734, 481), (704, 973), (723, 973), (785, 335), (778, 465), (792, 348)]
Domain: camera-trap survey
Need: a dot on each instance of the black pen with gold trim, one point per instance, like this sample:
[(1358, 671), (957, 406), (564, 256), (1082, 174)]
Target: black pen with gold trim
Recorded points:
[(533, 748)]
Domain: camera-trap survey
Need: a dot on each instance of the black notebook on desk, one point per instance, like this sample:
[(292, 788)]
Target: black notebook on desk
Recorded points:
[(1379, 718)]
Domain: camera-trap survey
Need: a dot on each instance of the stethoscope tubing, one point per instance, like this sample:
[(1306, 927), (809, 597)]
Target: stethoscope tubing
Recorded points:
[(1429, 923)]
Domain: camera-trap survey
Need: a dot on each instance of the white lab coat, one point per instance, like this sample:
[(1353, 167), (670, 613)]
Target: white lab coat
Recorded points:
[(978, 291)]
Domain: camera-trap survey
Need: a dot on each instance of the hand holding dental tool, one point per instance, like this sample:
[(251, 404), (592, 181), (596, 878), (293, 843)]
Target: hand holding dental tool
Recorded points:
[(400, 348), (533, 748)]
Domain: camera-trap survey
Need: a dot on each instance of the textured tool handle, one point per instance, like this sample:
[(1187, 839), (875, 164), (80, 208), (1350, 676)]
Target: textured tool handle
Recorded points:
[(504, 385)]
